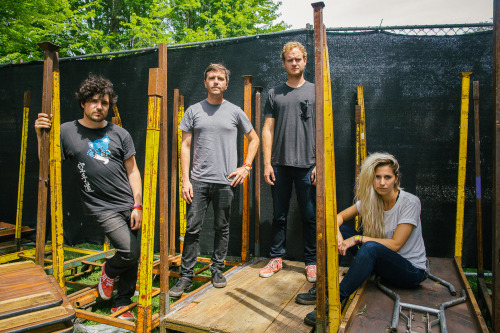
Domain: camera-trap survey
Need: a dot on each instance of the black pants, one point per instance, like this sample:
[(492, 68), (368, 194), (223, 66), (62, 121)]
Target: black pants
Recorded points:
[(116, 226)]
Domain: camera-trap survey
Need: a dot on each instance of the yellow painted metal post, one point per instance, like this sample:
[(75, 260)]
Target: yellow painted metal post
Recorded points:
[(22, 169), (357, 120), (167, 226), (182, 203), (360, 138), (462, 160), (116, 117), (144, 309), (332, 251), (56, 183), (245, 237), (362, 124)]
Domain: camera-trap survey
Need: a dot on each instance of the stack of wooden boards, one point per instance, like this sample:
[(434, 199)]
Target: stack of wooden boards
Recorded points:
[(32, 301)]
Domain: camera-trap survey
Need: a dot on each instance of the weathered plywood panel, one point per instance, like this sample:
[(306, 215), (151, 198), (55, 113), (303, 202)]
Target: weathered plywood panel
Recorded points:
[(379, 306), (249, 303)]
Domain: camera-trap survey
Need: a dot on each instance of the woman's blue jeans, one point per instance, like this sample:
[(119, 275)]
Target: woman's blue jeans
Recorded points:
[(377, 258)]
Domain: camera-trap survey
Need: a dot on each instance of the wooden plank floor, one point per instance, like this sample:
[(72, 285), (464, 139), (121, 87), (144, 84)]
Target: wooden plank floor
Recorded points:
[(379, 307), (249, 303)]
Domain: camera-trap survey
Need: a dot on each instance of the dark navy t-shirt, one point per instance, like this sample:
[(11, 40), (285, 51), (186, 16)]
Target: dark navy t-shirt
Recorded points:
[(97, 157), (293, 109)]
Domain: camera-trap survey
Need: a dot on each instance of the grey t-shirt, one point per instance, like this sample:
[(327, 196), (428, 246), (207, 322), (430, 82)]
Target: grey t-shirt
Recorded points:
[(215, 130), (294, 141), (406, 210), (97, 157)]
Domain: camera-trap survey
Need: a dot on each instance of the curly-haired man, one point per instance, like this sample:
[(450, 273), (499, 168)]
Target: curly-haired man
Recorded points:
[(103, 159)]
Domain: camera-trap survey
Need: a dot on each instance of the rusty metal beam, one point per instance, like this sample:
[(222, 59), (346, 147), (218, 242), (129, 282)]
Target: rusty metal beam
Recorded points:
[(43, 174), (496, 169), (257, 172), (165, 245), (320, 169), (245, 229), (477, 157)]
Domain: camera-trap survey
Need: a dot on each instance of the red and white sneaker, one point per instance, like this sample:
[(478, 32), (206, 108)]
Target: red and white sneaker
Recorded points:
[(274, 266), (127, 315), (311, 273), (105, 285)]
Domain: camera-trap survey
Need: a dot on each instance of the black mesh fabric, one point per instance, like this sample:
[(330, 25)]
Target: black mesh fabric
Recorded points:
[(412, 95)]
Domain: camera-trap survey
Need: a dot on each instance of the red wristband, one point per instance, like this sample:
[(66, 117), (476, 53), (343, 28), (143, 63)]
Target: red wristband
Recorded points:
[(139, 207), (247, 166)]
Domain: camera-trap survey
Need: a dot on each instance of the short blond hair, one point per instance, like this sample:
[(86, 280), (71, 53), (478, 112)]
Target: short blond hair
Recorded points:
[(290, 46)]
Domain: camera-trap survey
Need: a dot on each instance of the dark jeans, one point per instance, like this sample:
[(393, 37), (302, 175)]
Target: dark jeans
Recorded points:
[(116, 226), (306, 198), (221, 196), (377, 258)]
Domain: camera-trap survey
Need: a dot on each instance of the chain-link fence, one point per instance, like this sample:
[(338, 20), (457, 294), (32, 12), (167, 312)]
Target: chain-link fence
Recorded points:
[(421, 30)]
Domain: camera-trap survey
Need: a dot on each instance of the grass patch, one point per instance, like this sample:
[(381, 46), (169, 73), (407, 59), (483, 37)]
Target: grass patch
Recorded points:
[(104, 307)]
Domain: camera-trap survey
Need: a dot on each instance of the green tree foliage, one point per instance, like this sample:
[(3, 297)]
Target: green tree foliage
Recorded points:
[(197, 20), (96, 26), (23, 23)]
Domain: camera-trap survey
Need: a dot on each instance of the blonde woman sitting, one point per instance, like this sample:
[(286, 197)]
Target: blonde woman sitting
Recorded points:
[(391, 243)]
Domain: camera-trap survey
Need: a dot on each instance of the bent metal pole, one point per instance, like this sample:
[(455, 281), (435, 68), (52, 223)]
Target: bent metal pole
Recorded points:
[(43, 153)]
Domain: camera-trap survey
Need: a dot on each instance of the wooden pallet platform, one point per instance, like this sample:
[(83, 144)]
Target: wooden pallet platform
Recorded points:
[(8, 229), (373, 310), (30, 299), (249, 303)]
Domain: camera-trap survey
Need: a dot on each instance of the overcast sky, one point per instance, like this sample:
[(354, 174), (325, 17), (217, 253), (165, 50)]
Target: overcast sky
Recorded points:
[(363, 13)]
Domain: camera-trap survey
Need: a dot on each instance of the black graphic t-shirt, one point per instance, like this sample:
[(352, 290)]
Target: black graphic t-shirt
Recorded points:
[(97, 157)]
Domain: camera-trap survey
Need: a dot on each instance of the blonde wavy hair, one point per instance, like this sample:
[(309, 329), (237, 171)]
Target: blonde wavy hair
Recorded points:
[(372, 205)]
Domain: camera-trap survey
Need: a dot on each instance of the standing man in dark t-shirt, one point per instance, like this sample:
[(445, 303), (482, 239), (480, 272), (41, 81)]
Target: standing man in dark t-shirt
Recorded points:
[(103, 159), (211, 128), (289, 149)]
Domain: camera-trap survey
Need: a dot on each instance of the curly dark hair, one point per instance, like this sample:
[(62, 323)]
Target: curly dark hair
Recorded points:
[(96, 85)]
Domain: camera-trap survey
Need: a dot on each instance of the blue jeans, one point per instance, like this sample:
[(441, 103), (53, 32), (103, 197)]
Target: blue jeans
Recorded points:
[(306, 198), (116, 226), (377, 258), (221, 196)]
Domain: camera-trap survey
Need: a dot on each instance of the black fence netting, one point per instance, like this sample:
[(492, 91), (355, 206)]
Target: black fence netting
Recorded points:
[(412, 93)]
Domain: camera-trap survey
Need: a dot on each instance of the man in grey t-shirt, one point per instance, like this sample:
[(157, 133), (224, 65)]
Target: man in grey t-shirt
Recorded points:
[(289, 149), (211, 127)]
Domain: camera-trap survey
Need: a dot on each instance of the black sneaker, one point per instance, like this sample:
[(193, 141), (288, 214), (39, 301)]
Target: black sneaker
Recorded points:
[(218, 280), (308, 298), (310, 318), (179, 288)]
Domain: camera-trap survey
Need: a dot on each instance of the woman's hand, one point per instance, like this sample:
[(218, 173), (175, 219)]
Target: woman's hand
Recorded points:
[(340, 239), (346, 244)]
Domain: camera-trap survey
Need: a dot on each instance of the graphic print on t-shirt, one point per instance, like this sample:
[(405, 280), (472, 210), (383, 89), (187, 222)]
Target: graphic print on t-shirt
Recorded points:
[(99, 149)]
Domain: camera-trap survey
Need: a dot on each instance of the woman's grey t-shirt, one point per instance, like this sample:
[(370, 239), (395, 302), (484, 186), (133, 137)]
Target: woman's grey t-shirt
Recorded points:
[(406, 210), (294, 141), (215, 131)]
